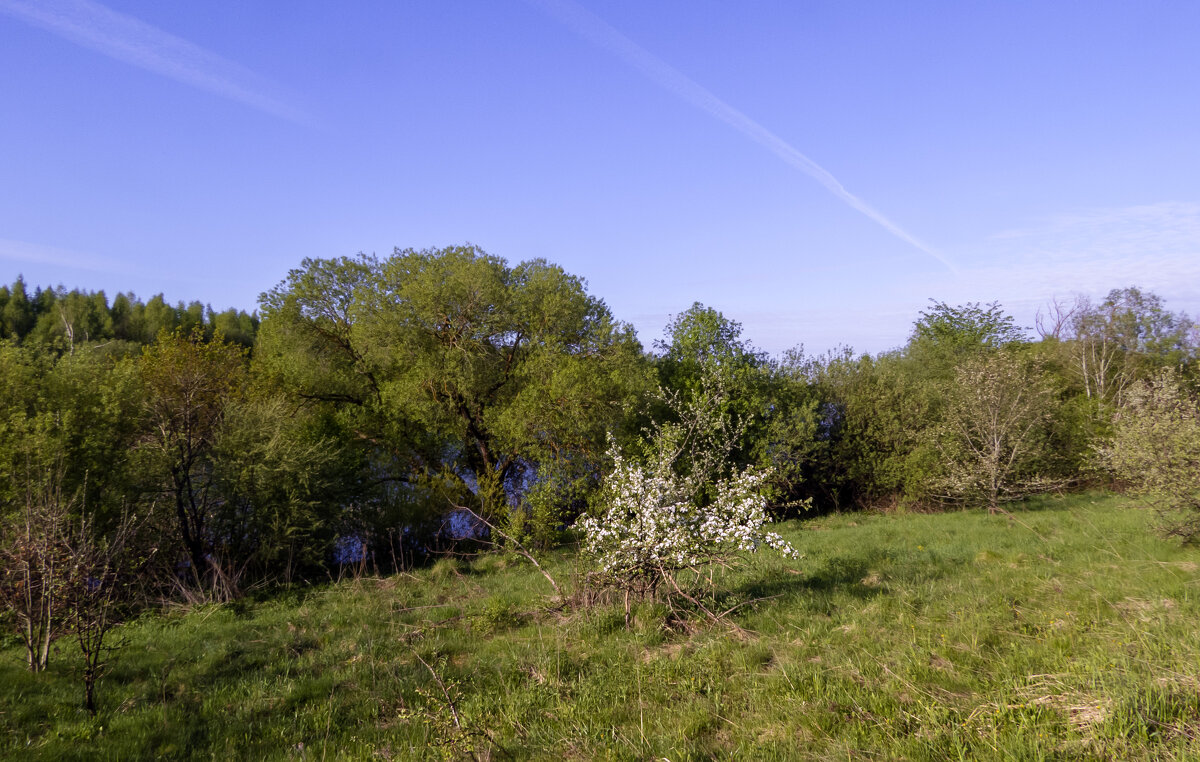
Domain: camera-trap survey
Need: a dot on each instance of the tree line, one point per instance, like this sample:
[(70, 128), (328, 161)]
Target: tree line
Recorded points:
[(377, 410), (57, 318)]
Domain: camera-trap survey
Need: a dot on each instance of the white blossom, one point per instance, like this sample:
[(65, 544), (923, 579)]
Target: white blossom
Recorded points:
[(654, 522)]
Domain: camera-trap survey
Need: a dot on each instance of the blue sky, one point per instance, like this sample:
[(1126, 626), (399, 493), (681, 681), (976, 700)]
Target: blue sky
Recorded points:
[(817, 171)]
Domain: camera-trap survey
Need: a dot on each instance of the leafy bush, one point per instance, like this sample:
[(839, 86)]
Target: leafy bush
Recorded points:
[(498, 614), (1155, 448)]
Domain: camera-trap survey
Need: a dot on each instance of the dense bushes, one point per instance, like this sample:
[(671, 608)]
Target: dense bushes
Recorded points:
[(379, 396)]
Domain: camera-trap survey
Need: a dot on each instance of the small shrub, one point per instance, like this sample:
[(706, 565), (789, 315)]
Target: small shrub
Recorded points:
[(993, 438), (653, 527), (498, 614), (491, 563), (447, 568)]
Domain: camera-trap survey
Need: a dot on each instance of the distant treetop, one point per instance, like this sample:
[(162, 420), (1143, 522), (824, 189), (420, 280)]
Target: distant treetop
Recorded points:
[(966, 326)]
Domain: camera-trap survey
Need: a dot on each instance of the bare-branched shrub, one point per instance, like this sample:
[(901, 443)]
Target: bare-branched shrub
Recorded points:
[(59, 575), (993, 436), (34, 565), (98, 590)]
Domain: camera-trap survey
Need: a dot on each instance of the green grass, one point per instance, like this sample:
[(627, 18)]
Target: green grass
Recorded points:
[(1068, 633)]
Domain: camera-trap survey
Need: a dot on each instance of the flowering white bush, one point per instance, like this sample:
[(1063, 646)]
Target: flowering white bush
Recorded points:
[(655, 524)]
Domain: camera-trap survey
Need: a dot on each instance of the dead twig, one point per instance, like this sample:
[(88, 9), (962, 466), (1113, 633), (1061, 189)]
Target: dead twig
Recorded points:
[(715, 618), (517, 546), (445, 692)]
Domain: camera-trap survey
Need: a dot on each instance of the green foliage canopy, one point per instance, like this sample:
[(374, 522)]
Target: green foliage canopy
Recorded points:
[(455, 362)]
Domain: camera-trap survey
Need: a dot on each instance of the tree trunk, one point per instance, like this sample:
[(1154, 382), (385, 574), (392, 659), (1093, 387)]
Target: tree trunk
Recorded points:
[(190, 524)]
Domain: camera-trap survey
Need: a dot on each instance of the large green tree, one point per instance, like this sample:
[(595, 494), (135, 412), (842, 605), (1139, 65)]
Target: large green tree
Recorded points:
[(18, 316), (702, 348), (283, 482), (881, 417), (77, 412), (453, 362)]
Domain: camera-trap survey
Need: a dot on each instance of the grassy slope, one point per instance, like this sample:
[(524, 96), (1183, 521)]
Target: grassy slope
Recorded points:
[(1067, 634)]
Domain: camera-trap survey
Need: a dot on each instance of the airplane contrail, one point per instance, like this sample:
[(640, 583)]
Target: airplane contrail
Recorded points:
[(597, 31), (135, 42)]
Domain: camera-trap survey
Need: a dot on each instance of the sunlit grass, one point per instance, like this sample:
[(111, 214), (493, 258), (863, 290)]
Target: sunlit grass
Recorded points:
[(1066, 632)]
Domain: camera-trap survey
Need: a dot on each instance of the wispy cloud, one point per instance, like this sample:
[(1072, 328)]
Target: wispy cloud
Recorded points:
[(135, 42), (600, 33), (39, 254), (1152, 245), (1126, 231), (1086, 252), (1083, 252)]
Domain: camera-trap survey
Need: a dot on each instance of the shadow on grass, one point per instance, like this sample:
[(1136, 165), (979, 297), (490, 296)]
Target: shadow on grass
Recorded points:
[(847, 575), (862, 576), (1042, 504), (289, 596)]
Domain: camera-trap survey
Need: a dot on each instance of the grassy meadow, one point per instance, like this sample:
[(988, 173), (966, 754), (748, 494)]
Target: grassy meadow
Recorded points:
[(1067, 631)]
